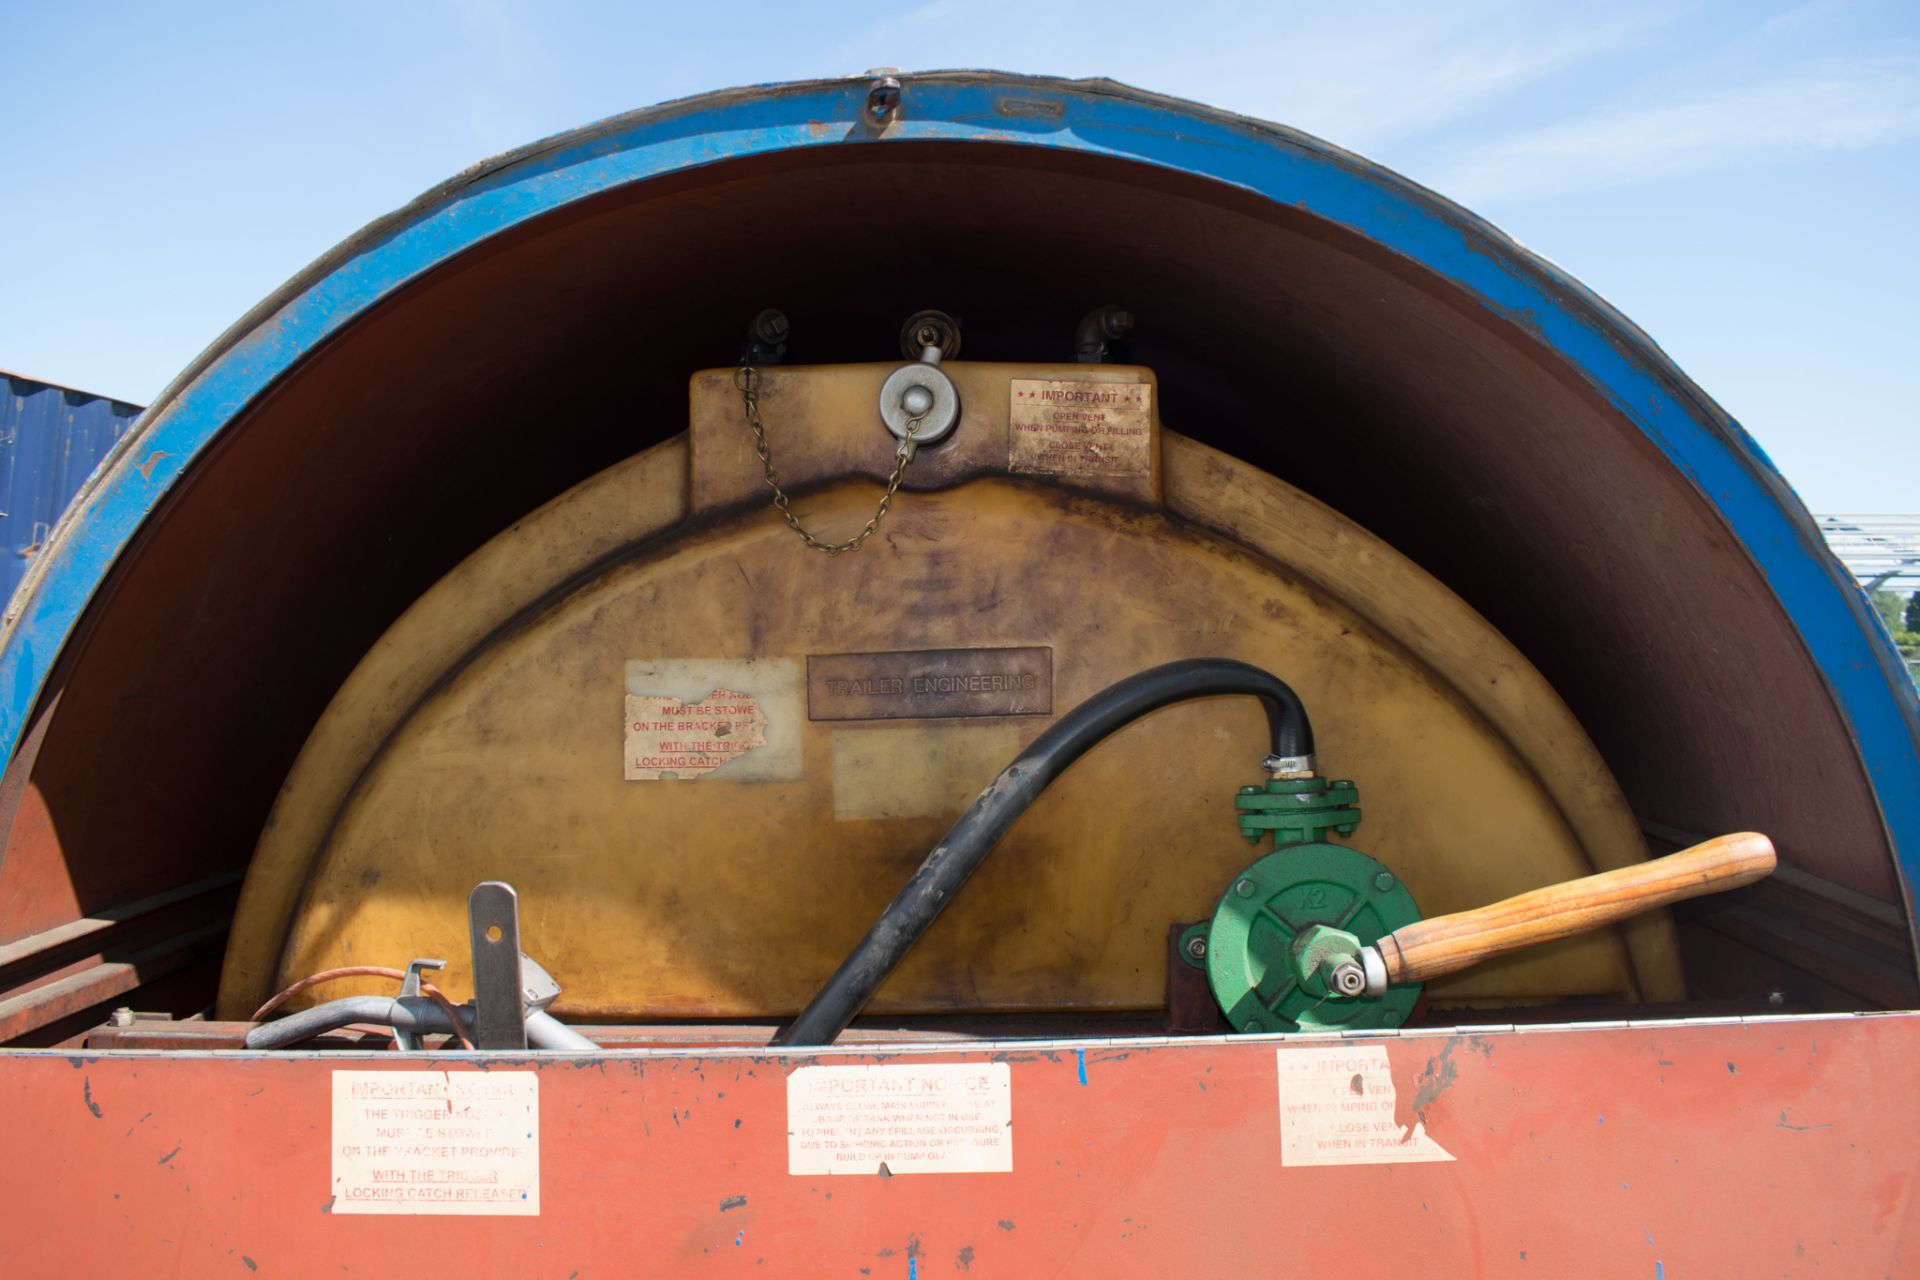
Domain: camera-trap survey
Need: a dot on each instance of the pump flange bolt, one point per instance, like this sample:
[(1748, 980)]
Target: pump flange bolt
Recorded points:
[(1196, 948)]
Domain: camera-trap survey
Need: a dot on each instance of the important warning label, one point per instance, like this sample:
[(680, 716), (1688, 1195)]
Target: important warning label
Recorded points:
[(1337, 1106), (669, 738), (460, 1142), (938, 1118), (1080, 428)]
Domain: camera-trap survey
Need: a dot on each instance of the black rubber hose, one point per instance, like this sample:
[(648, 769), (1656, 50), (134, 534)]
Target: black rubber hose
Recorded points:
[(967, 843)]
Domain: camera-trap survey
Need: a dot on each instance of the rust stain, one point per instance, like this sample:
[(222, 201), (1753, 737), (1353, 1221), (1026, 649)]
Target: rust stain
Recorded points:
[(153, 460)]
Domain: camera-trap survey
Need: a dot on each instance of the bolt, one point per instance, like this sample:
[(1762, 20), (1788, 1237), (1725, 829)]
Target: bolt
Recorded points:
[(121, 1017), (1245, 888), (1383, 881), (1197, 947), (1776, 997), (1252, 1024), (1347, 979), (916, 400)]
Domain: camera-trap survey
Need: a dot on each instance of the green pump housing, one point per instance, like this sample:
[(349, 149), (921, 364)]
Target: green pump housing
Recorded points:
[(1267, 947)]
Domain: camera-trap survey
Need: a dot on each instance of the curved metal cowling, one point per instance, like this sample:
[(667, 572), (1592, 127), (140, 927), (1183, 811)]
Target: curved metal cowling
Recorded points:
[(1868, 686)]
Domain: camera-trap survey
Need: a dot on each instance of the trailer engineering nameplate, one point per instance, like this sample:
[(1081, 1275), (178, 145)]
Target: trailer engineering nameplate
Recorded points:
[(930, 684)]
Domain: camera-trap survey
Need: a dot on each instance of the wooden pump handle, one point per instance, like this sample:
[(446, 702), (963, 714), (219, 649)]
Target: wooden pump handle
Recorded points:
[(1445, 944)]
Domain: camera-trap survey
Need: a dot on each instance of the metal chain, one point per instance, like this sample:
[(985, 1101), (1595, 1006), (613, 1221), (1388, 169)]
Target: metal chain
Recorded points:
[(747, 379)]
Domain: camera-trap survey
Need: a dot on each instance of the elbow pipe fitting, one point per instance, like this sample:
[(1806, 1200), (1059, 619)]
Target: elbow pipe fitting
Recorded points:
[(1097, 328), (992, 814)]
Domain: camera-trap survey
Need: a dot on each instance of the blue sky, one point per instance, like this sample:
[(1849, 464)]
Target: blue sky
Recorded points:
[(1741, 179)]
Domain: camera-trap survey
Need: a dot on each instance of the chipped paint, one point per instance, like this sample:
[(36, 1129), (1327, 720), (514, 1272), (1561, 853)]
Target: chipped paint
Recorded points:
[(1436, 1078)]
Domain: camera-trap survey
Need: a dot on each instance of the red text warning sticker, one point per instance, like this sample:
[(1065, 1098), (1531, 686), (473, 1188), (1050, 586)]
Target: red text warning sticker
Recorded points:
[(669, 738), (1080, 428)]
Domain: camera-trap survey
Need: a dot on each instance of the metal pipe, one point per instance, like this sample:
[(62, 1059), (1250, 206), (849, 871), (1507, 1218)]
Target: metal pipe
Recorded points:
[(409, 1013), (544, 1031), (967, 843)]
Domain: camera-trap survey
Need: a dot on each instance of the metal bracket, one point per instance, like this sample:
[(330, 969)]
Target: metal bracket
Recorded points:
[(499, 1017), (410, 986), (883, 98)]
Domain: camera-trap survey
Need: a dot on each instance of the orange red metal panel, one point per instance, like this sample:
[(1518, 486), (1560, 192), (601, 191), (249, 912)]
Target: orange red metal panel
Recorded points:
[(1770, 1147)]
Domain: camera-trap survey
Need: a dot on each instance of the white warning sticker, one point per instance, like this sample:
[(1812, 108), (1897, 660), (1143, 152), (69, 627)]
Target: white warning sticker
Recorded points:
[(668, 738), (689, 718), (937, 1118), (1337, 1106), (456, 1142)]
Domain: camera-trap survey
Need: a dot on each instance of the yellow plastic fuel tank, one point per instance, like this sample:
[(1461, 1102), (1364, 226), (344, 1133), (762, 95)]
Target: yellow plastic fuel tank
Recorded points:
[(707, 755)]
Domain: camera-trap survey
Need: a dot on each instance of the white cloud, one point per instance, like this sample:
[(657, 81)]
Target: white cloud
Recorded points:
[(1362, 76), (1368, 76), (1838, 105)]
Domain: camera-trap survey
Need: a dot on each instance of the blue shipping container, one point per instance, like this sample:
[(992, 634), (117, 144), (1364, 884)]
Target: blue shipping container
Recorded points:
[(51, 439)]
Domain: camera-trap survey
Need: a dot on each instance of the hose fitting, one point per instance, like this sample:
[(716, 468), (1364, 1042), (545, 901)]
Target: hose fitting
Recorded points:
[(969, 841)]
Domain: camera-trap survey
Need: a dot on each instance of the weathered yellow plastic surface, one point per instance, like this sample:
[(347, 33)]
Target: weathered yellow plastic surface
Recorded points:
[(483, 737)]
